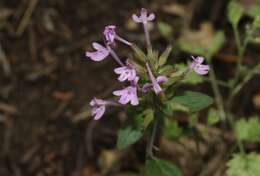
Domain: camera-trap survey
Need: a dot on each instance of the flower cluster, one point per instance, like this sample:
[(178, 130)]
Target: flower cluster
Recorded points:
[(127, 71)]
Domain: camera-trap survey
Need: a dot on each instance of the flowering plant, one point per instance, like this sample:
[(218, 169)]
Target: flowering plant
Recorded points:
[(150, 95)]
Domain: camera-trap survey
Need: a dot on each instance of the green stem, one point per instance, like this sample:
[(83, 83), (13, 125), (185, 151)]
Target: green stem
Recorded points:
[(219, 82), (149, 149), (247, 78), (241, 52), (241, 147), (234, 88), (216, 91)]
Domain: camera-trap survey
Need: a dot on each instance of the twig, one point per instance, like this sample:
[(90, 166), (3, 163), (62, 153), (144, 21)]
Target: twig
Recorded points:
[(9, 109), (26, 17), (5, 62)]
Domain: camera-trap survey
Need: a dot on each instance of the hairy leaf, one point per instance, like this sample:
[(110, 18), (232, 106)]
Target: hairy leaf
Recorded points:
[(194, 101), (248, 130), (235, 12), (244, 165), (127, 136), (158, 167)]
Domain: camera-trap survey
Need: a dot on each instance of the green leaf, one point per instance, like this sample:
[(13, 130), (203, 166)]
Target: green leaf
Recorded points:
[(158, 167), (153, 57), (194, 101), (148, 117), (163, 58), (254, 11), (172, 130), (166, 70), (138, 67), (190, 47), (256, 22), (127, 136), (248, 130), (244, 165), (213, 117), (235, 12), (193, 78), (173, 106), (139, 53), (216, 43), (165, 29)]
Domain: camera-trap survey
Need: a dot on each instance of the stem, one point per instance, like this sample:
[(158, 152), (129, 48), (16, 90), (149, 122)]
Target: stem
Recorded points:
[(219, 82), (147, 36), (241, 147), (149, 149), (156, 87), (216, 91), (241, 51), (123, 40), (114, 55), (233, 88), (239, 86)]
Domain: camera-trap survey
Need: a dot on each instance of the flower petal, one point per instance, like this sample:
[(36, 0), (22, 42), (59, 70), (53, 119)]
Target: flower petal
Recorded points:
[(118, 92), (151, 17), (124, 99), (97, 46), (136, 18), (97, 55), (202, 69), (119, 70), (161, 79), (146, 87), (98, 112), (199, 59)]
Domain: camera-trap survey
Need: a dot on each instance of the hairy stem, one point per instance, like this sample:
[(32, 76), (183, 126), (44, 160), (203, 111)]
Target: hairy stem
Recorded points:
[(149, 149), (114, 55), (216, 91), (147, 36)]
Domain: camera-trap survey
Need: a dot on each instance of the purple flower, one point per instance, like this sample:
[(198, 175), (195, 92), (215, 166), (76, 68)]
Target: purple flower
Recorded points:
[(99, 107), (126, 73), (159, 79), (110, 35), (128, 94), (100, 54), (144, 17), (198, 67), (155, 82)]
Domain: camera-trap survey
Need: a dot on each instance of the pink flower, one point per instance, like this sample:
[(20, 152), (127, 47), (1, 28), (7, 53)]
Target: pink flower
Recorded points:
[(159, 79), (198, 67), (144, 17), (128, 94), (126, 73), (110, 35), (99, 107), (155, 82), (100, 54)]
